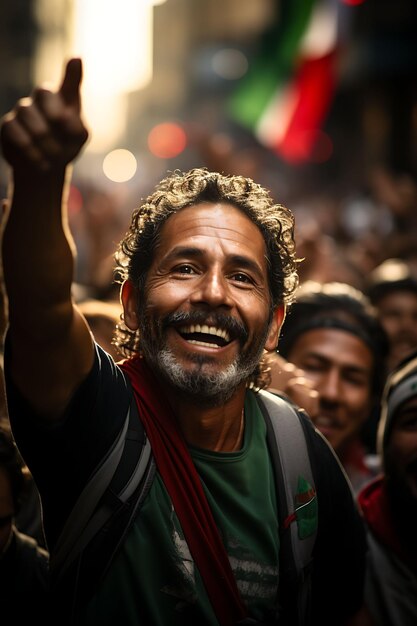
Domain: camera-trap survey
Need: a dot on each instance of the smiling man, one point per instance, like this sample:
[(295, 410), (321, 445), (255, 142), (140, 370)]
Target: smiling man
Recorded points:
[(210, 257), (206, 270), (333, 336)]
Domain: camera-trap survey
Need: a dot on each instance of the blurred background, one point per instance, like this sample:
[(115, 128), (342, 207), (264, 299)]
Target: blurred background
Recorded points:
[(315, 99)]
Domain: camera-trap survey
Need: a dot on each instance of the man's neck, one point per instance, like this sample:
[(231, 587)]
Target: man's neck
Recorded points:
[(219, 428)]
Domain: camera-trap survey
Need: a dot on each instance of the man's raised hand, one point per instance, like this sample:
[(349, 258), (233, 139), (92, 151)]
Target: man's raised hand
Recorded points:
[(45, 131)]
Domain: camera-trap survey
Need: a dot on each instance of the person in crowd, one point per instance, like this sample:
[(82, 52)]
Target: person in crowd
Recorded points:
[(389, 505), (102, 317), (392, 289), (24, 565), (206, 269), (337, 348), (28, 517)]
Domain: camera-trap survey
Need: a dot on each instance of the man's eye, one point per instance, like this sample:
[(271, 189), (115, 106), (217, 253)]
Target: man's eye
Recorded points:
[(241, 278), (358, 382), (184, 269), (312, 367), (408, 422)]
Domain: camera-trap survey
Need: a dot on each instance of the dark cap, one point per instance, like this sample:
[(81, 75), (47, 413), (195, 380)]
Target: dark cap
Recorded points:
[(390, 276), (401, 385)]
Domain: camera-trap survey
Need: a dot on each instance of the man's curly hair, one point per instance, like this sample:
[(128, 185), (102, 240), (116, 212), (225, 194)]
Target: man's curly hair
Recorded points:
[(134, 254)]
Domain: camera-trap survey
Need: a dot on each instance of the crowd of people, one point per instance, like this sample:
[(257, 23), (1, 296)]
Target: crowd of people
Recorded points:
[(216, 311)]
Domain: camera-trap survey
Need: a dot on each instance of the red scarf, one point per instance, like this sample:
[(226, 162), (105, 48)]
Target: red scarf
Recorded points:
[(375, 506), (183, 484)]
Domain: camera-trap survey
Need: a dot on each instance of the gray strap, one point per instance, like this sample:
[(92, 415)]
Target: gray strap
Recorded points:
[(294, 461), (88, 501), (138, 472), (103, 513)]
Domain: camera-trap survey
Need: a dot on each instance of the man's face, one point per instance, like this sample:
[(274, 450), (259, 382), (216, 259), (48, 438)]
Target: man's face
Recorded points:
[(340, 366), (205, 319), (398, 315), (400, 458)]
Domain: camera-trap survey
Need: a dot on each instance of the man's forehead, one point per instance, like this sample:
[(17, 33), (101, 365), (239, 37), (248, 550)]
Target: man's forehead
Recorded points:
[(206, 212), (398, 300), (221, 221), (407, 411), (410, 405), (332, 320), (335, 345)]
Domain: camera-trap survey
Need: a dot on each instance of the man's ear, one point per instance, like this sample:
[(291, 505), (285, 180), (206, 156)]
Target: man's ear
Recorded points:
[(129, 299), (278, 317)]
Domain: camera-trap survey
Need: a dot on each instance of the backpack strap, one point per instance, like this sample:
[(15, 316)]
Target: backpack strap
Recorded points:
[(297, 502), (103, 513), (87, 502)]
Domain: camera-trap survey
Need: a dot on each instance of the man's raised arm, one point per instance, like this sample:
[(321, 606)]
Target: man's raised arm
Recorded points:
[(51, 348)]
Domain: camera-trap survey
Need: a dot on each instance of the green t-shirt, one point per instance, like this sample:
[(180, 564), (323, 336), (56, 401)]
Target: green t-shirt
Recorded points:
[(154, 581)]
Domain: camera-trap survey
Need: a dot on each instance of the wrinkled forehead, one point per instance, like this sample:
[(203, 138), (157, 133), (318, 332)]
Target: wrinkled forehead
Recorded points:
[(207, 224)]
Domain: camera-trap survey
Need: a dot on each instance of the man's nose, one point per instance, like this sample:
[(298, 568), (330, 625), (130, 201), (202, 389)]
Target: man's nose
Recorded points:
[(214, 289), (329, 386), (408, 325)]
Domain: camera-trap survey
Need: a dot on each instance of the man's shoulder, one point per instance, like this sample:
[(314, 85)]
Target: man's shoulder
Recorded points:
[(332, 483), (315, 440), (31, 562), (29, 549)]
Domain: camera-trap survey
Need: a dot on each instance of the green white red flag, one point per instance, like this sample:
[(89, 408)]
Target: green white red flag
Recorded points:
[(286, 95)]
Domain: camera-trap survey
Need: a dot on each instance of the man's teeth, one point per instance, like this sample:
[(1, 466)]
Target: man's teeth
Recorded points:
[(321, 420), (202, 343), (206, 330)]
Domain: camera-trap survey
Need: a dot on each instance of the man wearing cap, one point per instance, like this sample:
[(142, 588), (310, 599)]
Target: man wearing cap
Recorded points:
[(333, 338), (389, 505), (392, 289)]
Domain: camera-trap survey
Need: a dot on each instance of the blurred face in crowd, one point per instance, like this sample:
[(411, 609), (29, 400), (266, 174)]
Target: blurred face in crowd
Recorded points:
[(398, 315), (340, 366), (207, 312), (400, 457)]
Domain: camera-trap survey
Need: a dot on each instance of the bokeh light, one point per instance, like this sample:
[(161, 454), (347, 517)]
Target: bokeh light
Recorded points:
[(119, 165), (229, 63), (167, 140)]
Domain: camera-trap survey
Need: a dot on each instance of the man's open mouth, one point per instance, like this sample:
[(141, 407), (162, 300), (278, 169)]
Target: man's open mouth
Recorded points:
[(204, 335), (324, 421)]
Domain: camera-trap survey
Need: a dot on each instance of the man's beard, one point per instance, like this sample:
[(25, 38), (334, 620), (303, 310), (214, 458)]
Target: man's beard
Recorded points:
[(210, 388)]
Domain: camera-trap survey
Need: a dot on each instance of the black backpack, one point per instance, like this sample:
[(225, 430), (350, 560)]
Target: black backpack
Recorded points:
[(111, 500)]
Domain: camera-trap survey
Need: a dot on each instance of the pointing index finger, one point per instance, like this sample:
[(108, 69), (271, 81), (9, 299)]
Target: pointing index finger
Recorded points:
[(70, 86)]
